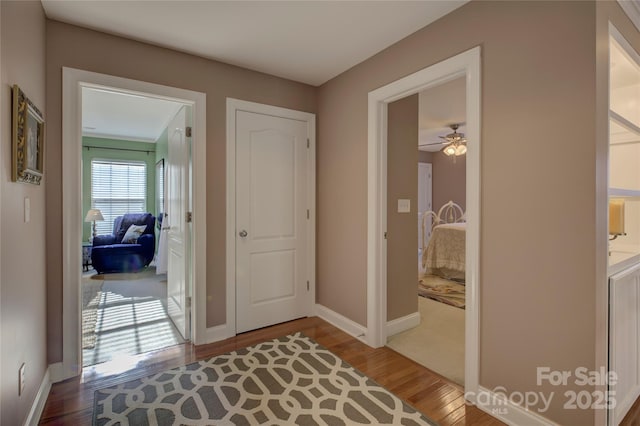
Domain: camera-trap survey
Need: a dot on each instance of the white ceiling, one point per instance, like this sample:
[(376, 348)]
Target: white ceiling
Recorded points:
[(114, 115), (306, 41), (439, 107)]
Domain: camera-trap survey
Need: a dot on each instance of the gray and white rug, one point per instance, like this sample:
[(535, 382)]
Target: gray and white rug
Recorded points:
[(290, 380)]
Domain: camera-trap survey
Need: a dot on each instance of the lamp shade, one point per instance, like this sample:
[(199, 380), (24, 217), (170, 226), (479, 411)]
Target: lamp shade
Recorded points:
[(449, 150), (94, 214), (616, 217)]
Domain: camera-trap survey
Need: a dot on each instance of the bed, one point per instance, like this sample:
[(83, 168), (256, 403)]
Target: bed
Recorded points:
[(443, 254)]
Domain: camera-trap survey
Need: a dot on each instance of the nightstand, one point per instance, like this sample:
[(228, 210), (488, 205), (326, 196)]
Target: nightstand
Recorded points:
[(86, 255)]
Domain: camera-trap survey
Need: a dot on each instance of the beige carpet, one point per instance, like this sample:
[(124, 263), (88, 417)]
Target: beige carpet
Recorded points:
[(438, 342), (91, 293), (131, 316)]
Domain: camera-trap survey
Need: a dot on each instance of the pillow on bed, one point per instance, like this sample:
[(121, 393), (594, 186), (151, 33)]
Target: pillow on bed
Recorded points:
[(133, 233)]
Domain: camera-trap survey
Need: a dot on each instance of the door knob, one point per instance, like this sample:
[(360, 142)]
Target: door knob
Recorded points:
[(243, 233)]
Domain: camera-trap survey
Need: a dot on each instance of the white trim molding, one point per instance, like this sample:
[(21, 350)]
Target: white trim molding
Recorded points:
[(33, 418), (73, 80), (233, 106), (218, 333), (404, 323), (343, 323), (499, 406), (632, 9), (465, 65)]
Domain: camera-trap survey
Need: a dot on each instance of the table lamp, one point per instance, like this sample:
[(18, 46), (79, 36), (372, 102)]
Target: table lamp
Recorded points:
[(92, 216)]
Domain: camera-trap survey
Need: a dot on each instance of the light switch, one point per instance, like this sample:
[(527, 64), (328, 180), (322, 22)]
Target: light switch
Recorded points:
[(404, 206), (27, 209)]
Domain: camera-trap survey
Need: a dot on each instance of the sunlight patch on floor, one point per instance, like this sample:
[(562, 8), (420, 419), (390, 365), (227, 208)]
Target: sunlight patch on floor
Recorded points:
[(130, 322)]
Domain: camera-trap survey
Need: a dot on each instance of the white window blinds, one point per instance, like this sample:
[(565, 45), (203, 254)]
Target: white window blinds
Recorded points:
[(117, 187)]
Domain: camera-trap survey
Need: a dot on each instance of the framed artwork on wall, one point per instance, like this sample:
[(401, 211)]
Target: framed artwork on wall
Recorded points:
[(27, 139)]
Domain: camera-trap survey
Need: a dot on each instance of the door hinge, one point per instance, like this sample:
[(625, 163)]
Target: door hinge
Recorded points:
[(385, 235), (307, 213), (307, 285), (308, 142), (189, 217), (187, 301), (187, 131)]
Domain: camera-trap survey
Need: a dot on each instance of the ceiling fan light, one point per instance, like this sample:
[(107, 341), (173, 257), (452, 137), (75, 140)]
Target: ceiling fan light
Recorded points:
[(461, 150), (449, 150)]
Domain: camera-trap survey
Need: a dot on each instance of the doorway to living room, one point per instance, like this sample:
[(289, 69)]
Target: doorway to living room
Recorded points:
[(186, 194), (124, 286)]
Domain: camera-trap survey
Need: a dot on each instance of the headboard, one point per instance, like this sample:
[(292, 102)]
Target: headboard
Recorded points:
[(450, 212)]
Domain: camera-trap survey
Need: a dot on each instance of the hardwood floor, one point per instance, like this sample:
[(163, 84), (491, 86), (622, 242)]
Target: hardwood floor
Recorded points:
[(71, 402), (633, 416)]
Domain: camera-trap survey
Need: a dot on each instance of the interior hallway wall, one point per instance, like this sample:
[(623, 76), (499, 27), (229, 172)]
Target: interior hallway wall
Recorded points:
[(75, 47), (23, 280), (402, 183), (537, 304)]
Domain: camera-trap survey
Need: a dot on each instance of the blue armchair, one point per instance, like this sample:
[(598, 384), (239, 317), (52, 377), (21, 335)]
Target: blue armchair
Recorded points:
[(110, 254)]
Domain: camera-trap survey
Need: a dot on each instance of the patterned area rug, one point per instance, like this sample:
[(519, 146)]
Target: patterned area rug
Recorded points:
[(290, 380), (442, 290)]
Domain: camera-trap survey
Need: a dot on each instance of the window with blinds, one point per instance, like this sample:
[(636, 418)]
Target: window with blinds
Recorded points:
[(117, 187)]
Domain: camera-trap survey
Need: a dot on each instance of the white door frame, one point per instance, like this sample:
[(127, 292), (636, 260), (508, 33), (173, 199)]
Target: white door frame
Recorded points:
[(429, 167), (466, 64), (234, 105), (72, 218)]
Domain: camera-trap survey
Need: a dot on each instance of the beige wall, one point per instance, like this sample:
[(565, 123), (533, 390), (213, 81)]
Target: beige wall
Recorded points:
[(71, 46), (425, 156), (22, 277), (537, 304), (449, 180), (402, 183)]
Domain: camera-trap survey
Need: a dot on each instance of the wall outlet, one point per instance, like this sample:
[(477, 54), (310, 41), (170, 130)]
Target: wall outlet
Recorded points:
[(21, 380)]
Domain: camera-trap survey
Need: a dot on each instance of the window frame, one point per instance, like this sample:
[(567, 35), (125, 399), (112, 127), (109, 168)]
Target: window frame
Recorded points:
[(106, 226)]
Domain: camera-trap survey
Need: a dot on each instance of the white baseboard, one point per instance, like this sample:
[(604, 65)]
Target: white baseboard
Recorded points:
[(55, 372), (41, 399), (342, 322), (216, 334), (399, 325), (500, 407), (59, 372)]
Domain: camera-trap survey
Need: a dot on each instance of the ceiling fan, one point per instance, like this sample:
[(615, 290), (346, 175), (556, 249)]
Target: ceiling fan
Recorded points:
[(455, 143)]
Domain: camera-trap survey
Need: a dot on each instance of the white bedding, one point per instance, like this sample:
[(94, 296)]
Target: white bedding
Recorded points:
[(445, 253)]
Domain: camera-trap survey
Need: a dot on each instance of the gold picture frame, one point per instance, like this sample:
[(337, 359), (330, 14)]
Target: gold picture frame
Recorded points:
[(27, 140)]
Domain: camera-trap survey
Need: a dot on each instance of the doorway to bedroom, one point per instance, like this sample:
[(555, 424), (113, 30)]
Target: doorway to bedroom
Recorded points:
[(426, 137), (392, 279), (126, 141)]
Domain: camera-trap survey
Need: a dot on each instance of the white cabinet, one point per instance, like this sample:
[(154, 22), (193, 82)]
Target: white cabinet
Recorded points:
[(624, 149), (624, 340), (624, 250)]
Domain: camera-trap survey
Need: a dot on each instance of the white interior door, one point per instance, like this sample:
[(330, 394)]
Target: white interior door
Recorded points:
[(425, 185), (178, 305), (271, 220)]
